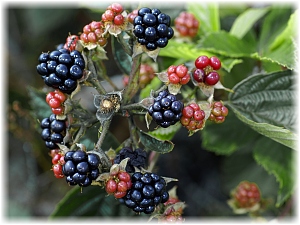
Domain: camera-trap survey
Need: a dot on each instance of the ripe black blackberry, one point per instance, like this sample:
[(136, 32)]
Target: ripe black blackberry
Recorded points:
[(147, 191), (81, 167), (166, 109), (53, 131), (152, 28), (61, 69), (137, 158)]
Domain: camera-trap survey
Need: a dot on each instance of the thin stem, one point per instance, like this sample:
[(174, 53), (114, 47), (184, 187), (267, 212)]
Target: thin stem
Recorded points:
[(101, 66), (93, 75), (133, 82), (104, 129), (153, 159), (79, 134), (133, 132)]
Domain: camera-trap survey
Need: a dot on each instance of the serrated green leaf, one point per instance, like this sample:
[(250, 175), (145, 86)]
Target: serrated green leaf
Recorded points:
[(229, 63), (206, 14), (228, 137), (226, 44), (245, 21), (284, 55), (274, 24), (92, 202), (153, 144), (123, 60), (187, 51), (289, 31), (38, 101), (166, 133), (277, 160), (267, 98), (276, 133)]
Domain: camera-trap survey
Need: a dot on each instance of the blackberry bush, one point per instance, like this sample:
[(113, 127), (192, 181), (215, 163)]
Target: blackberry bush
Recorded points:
[(252, 119)]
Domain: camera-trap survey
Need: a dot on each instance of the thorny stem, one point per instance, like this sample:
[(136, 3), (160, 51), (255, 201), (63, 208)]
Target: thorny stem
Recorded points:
[(93, 75), (79, 134), (133, 132), (101, 66), (133, 86), (104, 129)]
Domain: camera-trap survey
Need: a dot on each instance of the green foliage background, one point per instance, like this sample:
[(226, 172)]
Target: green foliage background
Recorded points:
[(257, 142)]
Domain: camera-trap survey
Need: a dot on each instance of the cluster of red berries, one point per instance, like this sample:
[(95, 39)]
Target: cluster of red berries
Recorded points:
[(146, 75), (193, 117), (71, 42), (55, 100), (113, 14), (186, 24), (58, 161), (118, 184), (205, 71), (93, 33), (178, 74), (218, 112), (246, 194)]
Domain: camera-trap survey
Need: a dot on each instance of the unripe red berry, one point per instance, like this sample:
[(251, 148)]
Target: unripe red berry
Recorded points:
[(111, 186), (199, 75), (246, 194), (215, 63), (201, 62), (124, 176), (212, 78)]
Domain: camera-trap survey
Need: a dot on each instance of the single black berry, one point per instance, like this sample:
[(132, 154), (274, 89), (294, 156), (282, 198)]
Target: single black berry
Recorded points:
[(166, 109)]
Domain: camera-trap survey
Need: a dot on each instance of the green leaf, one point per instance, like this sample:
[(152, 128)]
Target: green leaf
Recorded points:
[(226, 44), (289, 31), (123, 60), (206, 14), (38, 101), (229, 63), (276, 133), (154, 85), (227, 137), (274, 24), (241, 165), (91, 201), (284, 55), (267, 98), (187, 51), (277, 160), (153, 144), (166, 133), (245, 21)]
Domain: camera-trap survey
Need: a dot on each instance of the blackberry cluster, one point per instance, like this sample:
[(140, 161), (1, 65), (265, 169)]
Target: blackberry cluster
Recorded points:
[(152, 28), (166, 109), (61, 69), (80, 167), (137, 158), (147, 191), (53, 131)]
